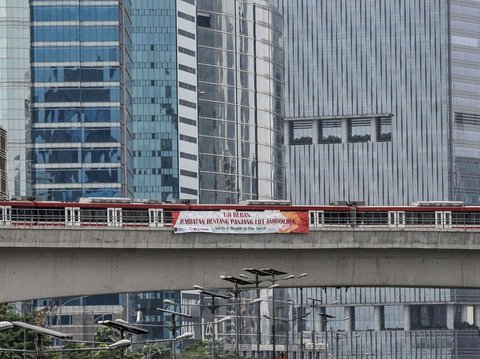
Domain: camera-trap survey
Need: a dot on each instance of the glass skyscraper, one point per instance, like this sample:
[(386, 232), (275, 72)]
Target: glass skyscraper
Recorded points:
[(382, 101), (165, 100), (80, 102), (15, 96), (240, 84), (382, 106)]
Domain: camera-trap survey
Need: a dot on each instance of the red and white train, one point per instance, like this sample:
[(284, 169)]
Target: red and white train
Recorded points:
[(123, 212)]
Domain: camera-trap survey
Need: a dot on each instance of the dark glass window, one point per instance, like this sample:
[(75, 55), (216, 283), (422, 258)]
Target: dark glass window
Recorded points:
[(63, 94), (331, 131), (359, 130), (96, 135), (46, 115), (204, 20), (301, 132), (75, 74)]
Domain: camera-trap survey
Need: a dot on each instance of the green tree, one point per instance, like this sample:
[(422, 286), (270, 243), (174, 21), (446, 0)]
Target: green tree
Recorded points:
[(156, 351), (17, 338), (201, 350)]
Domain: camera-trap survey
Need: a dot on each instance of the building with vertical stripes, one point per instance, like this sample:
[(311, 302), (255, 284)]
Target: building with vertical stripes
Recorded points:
[(165, 125), (382, 101), (382, 105)]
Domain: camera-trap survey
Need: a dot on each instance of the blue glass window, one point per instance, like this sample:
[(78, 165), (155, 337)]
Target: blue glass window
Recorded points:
[(76, 155), (64, 155), (94, 175), (75, 13), (65, 54), (69, 195), (101, 155), (75, 74), (76, 94), (74, 33), (95, 135), (95, 114)]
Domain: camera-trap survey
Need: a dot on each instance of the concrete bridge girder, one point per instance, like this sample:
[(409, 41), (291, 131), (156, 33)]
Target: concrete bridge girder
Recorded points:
[(53, 262)]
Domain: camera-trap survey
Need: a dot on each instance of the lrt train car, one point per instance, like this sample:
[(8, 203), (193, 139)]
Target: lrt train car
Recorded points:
[(124, 212)]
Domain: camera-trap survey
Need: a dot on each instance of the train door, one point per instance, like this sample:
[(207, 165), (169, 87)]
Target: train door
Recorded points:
[(155, 217), (316, 219), (114, 217), (5, 215), (72, 216), (443, 219), (396, 219)]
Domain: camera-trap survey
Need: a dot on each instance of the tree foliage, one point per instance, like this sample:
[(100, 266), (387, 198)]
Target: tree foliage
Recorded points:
[(17, 338), (202, 350)]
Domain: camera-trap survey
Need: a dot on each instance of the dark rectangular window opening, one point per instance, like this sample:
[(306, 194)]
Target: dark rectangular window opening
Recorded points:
[(204, 20)]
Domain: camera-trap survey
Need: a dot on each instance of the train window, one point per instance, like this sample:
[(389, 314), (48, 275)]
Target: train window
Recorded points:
[(135, 216), (114, 217), (372, 218), (316, 219), (420, 218), (72, 216), (155, 216), (94, 216), (22, 215), (5, 214), (337, 218), (49, 215)]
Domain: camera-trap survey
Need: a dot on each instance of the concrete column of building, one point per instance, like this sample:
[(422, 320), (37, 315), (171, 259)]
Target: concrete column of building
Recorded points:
[(476, 315), (464, 313), (450, 316), (286, 132), (345, 123), (373, 129), (350, 322), (407, 319), (315, 131), (378, 317)]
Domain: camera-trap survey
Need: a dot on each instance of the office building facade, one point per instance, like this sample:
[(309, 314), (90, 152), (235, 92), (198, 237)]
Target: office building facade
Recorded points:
[(165, 144), (382, 107), (240, 86), (382, 101), (81, 103), (65, 98)]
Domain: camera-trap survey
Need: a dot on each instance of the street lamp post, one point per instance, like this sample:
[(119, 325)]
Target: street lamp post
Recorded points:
[(326, 321), (173, 327), (257, 273), (212, 308), (301, 323), (236, 282), (314, 334), (123, 327), (65, 303), (287, 322), (264, 273)]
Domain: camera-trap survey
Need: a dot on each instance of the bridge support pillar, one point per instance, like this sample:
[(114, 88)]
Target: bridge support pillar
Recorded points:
[(450, 316), (350, 322), (378, 317), (407, 319)]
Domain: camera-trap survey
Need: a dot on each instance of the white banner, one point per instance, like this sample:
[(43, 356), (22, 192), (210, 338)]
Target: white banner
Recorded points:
[(242, 222)]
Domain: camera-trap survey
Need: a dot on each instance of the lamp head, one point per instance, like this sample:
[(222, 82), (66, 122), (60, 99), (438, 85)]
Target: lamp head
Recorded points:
[(121, 344), (168, 301)]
